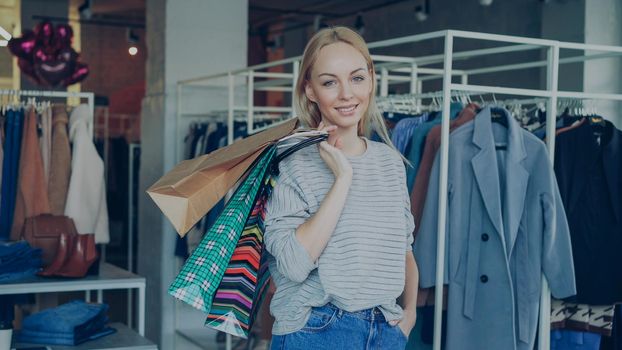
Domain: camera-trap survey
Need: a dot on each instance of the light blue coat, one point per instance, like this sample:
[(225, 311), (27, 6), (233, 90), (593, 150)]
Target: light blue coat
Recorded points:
[(505, 227)]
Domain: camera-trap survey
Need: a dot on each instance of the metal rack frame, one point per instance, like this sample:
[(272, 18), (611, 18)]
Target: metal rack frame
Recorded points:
[(412, 70), (58, 94)]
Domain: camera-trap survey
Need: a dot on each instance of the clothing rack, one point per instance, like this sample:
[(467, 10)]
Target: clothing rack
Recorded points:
[(551, 93), (395, 70), (57, 94), (89, 96)]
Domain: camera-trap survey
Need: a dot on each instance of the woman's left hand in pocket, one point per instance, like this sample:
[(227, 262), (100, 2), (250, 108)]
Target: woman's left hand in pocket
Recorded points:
[(407, 323)]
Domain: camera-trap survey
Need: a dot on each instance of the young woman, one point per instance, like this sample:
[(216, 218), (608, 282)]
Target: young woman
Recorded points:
[(338, 225)]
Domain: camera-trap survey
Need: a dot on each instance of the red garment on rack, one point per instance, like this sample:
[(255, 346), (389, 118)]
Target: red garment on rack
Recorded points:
[(420, 189)]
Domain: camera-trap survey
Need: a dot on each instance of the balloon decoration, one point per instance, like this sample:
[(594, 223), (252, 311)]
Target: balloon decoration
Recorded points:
[(45, 55)]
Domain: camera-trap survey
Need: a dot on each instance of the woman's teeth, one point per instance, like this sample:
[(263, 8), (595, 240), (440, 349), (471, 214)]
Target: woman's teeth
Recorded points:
[(346, 109)]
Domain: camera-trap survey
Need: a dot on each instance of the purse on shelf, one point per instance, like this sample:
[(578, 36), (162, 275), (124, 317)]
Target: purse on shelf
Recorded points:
[(44, 231), (64, 253)]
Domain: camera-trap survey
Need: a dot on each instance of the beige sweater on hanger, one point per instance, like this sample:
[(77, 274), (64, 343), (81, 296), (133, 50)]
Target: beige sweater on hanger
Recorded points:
[(32, 197), (60, 161)]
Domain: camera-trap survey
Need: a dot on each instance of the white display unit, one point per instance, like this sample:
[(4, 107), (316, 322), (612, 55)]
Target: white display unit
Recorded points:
[(110, 277)]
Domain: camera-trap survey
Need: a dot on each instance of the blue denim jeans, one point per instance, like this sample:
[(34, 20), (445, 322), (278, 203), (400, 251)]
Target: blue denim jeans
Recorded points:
[(331, 328), (10, 171), (61, 339)]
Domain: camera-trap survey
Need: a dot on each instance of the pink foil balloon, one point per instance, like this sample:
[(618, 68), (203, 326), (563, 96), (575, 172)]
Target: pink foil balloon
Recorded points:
[(46, 56)]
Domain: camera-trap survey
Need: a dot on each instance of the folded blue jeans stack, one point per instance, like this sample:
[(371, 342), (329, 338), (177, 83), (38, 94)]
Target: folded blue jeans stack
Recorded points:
[(18, 260), (69, 324)]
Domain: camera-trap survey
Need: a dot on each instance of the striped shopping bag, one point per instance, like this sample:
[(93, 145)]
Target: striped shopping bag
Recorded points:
[(199, 278), (242, 288)]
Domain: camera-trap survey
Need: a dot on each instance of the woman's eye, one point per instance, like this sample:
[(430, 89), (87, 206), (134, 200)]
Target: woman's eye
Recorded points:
[(358, 78), (328, 83)]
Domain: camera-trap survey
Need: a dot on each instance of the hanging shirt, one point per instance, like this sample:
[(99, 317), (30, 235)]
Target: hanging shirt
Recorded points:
[(417, 143), (404, 129), (86, 198)]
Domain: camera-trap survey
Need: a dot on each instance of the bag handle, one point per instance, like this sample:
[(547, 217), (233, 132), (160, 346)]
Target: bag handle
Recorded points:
[(295, 148)]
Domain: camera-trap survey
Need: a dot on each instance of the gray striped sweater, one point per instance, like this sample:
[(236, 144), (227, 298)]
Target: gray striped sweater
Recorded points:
[(363, 264)]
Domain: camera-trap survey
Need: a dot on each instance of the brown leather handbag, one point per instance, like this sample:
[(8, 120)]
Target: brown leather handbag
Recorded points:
[(44, 231)]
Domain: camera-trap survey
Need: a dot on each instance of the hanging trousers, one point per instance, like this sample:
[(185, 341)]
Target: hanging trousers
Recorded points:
[(10, 170)]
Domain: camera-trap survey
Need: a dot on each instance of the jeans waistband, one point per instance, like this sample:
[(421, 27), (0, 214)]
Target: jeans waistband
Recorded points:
[(373, 314)]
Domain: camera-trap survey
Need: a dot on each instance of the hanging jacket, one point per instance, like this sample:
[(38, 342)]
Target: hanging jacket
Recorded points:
[(86, 198), (60, 162), (32, 197), (505, 227), (589, 173)]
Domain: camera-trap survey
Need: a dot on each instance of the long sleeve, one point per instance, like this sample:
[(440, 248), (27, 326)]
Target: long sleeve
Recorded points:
[(285, 211), (557, 262), (426, 240), (410, 220)]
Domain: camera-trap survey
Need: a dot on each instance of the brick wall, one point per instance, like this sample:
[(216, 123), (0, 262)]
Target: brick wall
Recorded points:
[(116, 75)]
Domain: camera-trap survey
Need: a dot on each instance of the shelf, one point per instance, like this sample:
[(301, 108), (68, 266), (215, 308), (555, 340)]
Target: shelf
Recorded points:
[(123, 339), (110, 277)]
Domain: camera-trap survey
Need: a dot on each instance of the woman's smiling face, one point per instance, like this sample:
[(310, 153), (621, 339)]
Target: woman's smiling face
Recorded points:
[(340, 84)]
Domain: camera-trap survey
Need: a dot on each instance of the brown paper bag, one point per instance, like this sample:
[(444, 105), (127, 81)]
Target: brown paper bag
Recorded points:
[(187, 192)]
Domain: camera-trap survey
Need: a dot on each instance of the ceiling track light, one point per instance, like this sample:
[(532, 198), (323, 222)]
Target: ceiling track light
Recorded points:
[(422, 11), (85, 9), (359, 24), (485, 2), (318, 23), (132, 40)]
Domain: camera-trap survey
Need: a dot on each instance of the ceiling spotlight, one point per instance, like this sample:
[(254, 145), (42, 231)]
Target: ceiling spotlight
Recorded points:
[(132, 40), (85, 9), (485, 2), (422, 11), (359, 24)]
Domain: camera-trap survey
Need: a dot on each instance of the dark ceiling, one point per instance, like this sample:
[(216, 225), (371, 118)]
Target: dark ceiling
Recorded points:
[(263, 13)]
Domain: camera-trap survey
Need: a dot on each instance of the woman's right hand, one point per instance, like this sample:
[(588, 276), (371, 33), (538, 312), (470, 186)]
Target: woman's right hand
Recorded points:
[(332, 155)]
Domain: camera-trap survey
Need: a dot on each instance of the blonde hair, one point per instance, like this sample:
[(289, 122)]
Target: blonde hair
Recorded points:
[(308, 112)]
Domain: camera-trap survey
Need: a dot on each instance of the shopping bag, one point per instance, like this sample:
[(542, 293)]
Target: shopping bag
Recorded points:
[(246, 278), (242, 289), (202, 273), (193, 187)]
